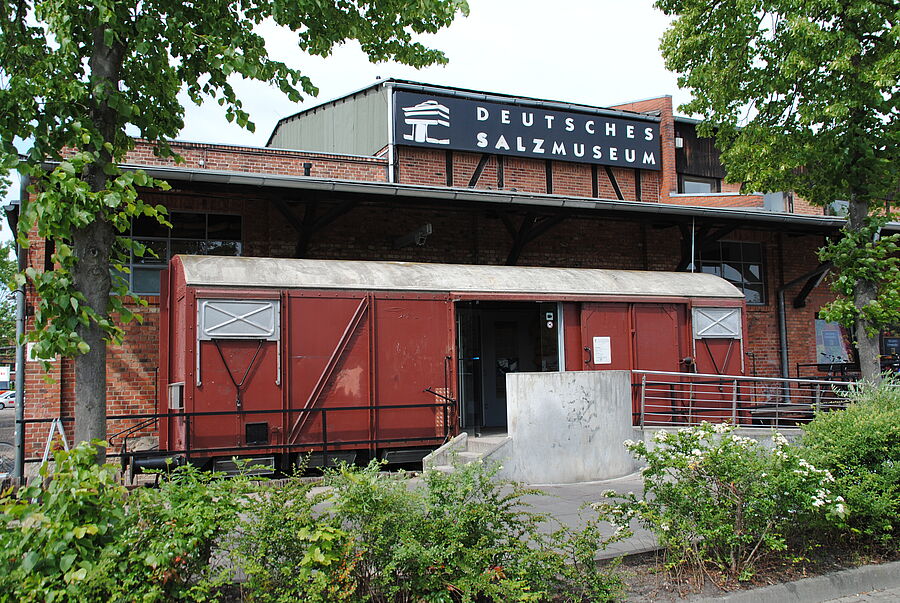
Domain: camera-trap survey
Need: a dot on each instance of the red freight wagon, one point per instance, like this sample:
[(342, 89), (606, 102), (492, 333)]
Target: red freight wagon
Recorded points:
[(273, 358)]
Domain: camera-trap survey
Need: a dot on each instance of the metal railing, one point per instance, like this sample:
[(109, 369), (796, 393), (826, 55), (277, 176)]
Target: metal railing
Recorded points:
[(673, 399), (321, 439)]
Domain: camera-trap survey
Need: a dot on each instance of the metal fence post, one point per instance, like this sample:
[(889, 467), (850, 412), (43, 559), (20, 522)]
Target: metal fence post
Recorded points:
[(734, 398), (324, 438), (643, 398)]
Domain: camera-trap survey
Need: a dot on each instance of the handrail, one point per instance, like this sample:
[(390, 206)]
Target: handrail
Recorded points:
[(324, 443), (728, 378)]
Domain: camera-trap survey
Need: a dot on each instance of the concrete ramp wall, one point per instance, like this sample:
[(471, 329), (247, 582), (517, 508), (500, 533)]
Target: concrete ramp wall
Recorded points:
[(567, 427)]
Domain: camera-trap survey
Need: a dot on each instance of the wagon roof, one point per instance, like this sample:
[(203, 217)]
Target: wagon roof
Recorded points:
[(458, 278)]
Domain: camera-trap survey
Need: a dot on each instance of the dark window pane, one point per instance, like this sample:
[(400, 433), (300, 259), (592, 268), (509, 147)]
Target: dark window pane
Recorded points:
[(142, 226), (159, 248), (754, 294), (188, 225), (222, 248), (755, 271), (187, 247), (224, 227), (145, 280), (752, 253), (712, 269), (698, 185), (730, 252), (732, 272)]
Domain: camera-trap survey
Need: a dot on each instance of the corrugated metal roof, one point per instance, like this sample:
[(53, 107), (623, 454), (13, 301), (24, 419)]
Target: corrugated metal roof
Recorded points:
[(464, 93), (456, 278)]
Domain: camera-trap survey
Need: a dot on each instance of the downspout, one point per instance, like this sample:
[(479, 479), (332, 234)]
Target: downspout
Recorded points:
[(391, 176), (821, 271), (19, 469)]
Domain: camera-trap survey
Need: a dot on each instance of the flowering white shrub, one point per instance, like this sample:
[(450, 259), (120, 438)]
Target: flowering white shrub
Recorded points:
[(713, 496)]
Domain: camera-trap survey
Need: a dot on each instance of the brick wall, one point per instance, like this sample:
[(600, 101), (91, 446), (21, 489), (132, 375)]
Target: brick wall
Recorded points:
[(428, 167), (256, 160), (663, 104), (718, 200)]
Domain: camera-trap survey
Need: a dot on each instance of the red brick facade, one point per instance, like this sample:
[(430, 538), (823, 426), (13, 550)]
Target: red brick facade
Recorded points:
[(461, 234)]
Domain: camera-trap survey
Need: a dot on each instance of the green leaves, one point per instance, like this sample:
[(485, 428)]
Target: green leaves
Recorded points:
[(77, 78), (804, 97), (714, 497)]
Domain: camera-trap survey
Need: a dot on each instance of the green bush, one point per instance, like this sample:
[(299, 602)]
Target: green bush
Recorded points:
[(714, 497), (463, 536), (290, 553), (84, 538), (171, 539), (860, 446), (52, 540), (368, 537)]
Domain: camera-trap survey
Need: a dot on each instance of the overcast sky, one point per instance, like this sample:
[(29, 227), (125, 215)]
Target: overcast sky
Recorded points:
[(595, 52)]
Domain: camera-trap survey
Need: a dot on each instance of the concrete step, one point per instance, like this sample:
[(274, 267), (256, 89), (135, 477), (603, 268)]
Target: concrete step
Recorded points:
[(486, 444), (466, 456), (463, 450)]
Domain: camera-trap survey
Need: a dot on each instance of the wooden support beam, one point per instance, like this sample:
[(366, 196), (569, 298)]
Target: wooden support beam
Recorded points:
[(614, 182), (811, 283), (520, 240), (309, 218), (448, 166), (531, 228), (288, 215), (485, 157), (312, 222)]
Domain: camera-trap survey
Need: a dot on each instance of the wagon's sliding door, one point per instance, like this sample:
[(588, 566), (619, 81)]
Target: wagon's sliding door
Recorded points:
[(360, 364)]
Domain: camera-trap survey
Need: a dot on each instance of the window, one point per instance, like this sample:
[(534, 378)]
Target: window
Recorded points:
[(739, 263), (191, 233), (699, 185)]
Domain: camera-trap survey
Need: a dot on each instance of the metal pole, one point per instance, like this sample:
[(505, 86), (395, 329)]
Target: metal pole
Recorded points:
[(19, 469), (643, 398), (734, 397), (324, 438)]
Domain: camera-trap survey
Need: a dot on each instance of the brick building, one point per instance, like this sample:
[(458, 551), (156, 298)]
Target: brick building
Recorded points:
[(370, 176)]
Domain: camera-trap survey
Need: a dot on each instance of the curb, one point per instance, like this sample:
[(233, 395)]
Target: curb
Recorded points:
[(820, 588)]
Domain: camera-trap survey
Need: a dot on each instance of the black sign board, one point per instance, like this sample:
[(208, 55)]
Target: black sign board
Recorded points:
[(443, 122)]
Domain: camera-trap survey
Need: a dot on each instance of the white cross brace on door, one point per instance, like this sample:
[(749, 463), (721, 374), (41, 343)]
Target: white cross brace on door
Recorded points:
[(717, 323)]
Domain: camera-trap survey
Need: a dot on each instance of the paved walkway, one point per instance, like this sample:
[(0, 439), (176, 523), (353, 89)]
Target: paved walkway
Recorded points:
[(565, 502), (881, 596)]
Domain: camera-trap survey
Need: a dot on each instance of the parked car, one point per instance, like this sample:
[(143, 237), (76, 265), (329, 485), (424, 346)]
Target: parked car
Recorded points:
[(8, 399)]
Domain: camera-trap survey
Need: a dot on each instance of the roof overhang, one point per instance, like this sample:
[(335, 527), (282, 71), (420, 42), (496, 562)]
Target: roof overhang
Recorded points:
[(385, 191)]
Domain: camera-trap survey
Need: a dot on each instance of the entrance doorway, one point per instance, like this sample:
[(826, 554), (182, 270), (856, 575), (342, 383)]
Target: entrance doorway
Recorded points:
[(496, 338)]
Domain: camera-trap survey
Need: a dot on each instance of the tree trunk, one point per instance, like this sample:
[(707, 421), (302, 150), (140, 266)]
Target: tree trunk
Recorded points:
[(91, 246), (864, 292)]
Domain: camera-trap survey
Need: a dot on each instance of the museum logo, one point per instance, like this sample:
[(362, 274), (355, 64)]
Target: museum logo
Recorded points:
[(427, 114)]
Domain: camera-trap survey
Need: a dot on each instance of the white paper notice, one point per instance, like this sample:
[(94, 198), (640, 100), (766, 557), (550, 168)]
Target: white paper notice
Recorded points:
[(602, 351)]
